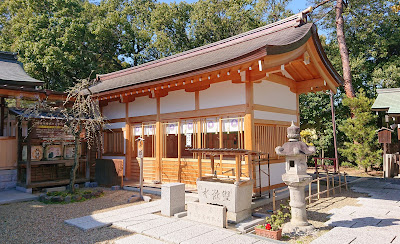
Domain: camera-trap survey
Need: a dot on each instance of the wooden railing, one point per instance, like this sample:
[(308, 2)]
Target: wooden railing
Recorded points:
[(330, 187)]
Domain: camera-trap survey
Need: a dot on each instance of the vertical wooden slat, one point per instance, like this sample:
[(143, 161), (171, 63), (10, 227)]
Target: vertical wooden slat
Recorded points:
[(158, 142)]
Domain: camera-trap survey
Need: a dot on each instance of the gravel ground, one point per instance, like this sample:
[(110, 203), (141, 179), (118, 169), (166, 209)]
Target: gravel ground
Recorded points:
[(36, 222)]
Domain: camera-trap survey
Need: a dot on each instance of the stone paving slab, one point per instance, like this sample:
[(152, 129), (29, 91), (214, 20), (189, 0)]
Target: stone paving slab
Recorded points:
[(187, 233), (238, 239), (138, 239), (337, 235), (107, 218), (87, 223), (136, 220), (156, 223), (210, 237), (11, 196), (166, 229)]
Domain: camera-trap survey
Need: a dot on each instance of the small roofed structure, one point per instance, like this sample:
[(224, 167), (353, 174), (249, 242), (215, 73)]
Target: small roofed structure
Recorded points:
[(17, 85), (241, 92)]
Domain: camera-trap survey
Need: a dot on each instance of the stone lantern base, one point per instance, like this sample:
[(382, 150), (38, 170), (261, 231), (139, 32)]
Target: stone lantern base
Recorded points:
[(290, 228)]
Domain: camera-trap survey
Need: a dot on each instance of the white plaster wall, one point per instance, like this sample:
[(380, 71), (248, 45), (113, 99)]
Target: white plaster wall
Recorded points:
[(276, 169), (142, 106), (116, 125), (177, 101), (114, 110), (274, 116), (222, 94), (116, 157), (275, 95)]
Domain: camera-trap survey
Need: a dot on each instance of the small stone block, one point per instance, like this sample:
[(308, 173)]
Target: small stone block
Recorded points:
[(115, 188), (53, 189), (245, 226), (180, 215), (87, 184), (42, 197), (146, 198), (172, 198), (57, 199), (207, 213), (93, 184), (76, 186), (23, 189)]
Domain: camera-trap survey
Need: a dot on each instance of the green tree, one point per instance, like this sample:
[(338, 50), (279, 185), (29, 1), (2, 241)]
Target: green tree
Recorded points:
[(59, 41), (362, 147)]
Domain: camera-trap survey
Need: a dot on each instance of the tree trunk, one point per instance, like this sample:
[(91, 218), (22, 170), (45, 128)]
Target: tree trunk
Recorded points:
[(344, 53), (72, 176)]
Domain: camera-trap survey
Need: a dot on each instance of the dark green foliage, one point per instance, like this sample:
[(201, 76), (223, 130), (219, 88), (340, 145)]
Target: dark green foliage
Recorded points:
[(362, 146)]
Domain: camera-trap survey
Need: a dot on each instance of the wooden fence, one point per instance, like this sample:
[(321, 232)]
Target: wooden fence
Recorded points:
[(331, 186)]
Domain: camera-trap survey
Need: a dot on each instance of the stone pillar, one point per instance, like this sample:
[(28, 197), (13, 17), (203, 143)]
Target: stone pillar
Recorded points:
[(172, 198)]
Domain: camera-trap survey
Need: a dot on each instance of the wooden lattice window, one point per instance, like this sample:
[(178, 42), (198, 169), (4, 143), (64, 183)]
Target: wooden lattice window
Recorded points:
[(267, 137), (114, 142)]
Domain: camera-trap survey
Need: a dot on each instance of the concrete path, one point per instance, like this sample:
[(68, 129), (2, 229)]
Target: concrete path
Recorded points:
[(376, 221), (153, 228), (11, 196)]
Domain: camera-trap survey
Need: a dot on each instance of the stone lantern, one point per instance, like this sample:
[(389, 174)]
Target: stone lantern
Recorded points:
[(296, 178)]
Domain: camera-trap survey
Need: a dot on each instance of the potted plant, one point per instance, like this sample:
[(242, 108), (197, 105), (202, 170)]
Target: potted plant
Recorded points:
[(272, 228)]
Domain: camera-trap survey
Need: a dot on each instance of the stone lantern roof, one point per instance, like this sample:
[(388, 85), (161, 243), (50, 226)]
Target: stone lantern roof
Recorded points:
[(294, 146)]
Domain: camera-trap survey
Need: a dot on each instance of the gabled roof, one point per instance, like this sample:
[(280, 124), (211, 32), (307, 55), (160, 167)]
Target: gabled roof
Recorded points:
[(276, 38), (387, 100), (12, 72)]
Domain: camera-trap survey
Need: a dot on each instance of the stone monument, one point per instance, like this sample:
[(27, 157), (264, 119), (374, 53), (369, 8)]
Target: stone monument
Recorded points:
[(296, 178), (172, 198)]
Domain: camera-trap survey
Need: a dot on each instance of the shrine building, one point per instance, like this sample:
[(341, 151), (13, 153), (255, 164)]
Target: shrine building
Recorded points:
[(241, 92)]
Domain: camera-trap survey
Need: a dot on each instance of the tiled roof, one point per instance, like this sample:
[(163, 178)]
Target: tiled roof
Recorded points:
[(388, 100), (279, 37), (12, 73)]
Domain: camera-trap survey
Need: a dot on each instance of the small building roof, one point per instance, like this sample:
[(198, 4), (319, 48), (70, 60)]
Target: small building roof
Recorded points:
[(276, 38), (388, 100), (12, 72)]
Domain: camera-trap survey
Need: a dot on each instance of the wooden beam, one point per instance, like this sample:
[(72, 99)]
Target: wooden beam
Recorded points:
[(200, 113), (310, 83), (281, 80), (301, 69), (271, 122), (315, 59)]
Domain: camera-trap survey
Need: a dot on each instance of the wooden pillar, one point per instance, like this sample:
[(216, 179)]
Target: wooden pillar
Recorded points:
[(221, 143), (179, 151), (128, 144), (199, 146), (249, 135), (28, 154), (87, 167), (238, 168), (2, 115), (19, 149), (334, 132), (297, 110), (158, 142)]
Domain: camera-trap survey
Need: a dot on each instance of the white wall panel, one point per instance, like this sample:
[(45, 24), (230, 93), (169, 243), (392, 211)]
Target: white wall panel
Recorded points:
[(143, 106), (275, 95), (177, 101), (276, 169), (114, 110), (222, 94), (115, 125), (274, 116)]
